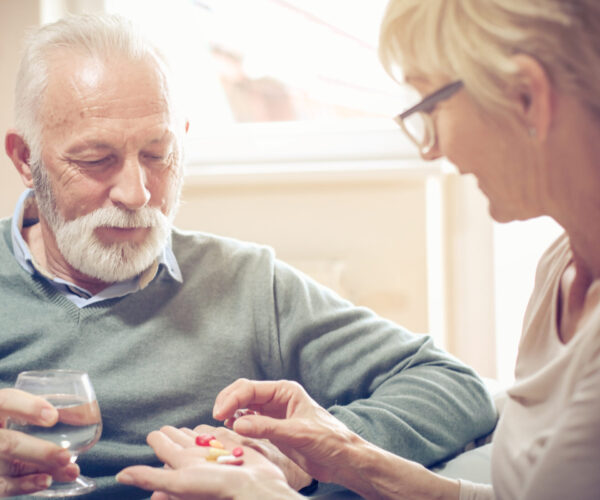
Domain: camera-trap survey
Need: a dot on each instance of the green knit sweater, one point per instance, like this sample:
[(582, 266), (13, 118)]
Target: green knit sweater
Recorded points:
[(161, 355)]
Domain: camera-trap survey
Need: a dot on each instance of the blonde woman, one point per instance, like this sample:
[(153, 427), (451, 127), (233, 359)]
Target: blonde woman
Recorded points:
[(510, 95)]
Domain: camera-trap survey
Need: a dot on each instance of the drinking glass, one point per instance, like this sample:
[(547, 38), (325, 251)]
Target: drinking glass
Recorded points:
[(79, 422)]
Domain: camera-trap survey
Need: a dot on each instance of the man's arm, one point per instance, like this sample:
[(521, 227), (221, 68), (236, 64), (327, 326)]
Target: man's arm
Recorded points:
[(392, 387)]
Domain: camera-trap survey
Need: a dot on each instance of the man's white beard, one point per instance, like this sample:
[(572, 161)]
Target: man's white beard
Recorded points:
[(84, 251)]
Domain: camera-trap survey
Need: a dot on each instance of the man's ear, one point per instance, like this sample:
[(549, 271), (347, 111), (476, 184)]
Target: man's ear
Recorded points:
[(534, 96), (18, 151)]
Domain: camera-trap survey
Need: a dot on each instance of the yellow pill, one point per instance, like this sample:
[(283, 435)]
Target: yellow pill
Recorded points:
[(213, 453), (214, 443)]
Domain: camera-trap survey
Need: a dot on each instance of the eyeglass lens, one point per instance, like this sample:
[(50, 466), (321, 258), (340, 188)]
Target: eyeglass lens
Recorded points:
[(419, 128)]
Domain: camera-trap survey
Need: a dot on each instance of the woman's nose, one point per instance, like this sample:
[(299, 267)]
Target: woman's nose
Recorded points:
[(432, 153)]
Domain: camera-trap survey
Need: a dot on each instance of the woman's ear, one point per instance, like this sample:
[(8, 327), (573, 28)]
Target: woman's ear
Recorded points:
[(534, 96), (18, 151)]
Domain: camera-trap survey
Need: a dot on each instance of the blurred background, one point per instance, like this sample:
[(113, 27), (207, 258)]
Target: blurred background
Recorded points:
[(292, 144)]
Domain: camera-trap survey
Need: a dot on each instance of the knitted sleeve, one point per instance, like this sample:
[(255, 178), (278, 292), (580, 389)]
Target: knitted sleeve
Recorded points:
[(393, 387)]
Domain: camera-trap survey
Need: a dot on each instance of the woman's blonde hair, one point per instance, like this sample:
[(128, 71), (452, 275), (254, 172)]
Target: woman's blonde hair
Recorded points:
[(474, 41)]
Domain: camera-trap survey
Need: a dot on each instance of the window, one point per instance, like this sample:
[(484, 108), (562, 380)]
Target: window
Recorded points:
[(274, 60), (249, 65)]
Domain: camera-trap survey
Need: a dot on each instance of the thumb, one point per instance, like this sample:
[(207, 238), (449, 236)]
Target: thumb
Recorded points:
[(261, 426)]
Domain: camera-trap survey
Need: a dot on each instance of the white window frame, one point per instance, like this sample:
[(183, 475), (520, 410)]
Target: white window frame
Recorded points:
[(351, 145)]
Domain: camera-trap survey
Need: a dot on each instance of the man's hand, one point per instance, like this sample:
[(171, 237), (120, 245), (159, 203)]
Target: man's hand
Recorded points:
[(296, 477), (29, 464), (189, 476), (288, 417)]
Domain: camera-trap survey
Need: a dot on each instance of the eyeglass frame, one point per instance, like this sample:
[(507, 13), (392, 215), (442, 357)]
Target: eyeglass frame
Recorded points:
[(426, 106)]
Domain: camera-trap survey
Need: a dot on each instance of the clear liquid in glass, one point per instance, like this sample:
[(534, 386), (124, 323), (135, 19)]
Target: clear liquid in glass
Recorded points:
[(78, 427), (79, 423)]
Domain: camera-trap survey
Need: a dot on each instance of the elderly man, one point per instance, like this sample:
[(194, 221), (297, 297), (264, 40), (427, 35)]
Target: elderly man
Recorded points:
[(94, 277)]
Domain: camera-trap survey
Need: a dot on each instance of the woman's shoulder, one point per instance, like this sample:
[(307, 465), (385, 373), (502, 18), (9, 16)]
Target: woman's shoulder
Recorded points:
[(554, 259)]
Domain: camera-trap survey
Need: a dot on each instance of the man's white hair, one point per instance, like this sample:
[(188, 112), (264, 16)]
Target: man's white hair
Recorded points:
[(97, 36)]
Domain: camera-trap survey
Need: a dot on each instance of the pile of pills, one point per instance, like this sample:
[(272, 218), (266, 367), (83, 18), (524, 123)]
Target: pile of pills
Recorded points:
[(218, 453)]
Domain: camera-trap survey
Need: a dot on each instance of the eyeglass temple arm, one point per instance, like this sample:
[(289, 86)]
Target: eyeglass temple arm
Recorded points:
[(429, 101)]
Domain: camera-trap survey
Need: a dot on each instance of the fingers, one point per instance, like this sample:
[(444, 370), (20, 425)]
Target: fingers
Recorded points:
[(17, 468), (149, 478), (240, 394), (263, 427), (24, 406), (29, 464), (19, 478), (12, 486), (85, 414), (159, 495), (189, 474), (271, 397), (177, 448), (196, 483), (168, 443), (16, 445), (66, 474)]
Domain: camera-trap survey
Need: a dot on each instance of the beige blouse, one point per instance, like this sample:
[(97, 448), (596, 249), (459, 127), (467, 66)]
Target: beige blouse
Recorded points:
[(547, 443)]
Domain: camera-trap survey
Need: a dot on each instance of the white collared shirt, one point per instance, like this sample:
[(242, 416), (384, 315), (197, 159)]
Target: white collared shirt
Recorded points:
[(26, 214)]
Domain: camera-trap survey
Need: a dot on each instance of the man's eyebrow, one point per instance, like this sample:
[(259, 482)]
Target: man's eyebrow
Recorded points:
[(167, 136), (87, 145)]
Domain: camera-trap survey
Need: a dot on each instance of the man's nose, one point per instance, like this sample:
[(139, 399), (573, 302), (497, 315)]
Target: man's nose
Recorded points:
[(129, 189)]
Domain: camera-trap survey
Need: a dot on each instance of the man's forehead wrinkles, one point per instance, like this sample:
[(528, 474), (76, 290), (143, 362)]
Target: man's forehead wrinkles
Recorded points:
[(105, 117), (124, 108), (104, 88)]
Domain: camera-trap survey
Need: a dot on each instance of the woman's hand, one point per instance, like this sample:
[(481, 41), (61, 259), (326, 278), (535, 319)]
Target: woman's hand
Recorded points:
[(285, 414), (29, 464), (189, 476), (290, 419)]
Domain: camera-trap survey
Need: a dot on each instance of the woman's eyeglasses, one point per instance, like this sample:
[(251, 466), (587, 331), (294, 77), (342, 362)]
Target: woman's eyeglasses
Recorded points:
[(417, 122)]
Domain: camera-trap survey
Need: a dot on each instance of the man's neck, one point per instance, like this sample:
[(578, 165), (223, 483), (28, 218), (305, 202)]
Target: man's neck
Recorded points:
[(49, 261)]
